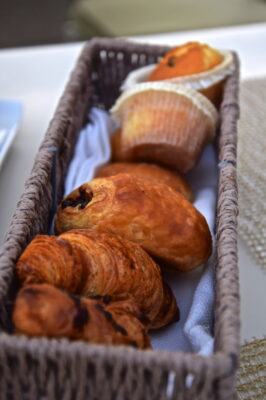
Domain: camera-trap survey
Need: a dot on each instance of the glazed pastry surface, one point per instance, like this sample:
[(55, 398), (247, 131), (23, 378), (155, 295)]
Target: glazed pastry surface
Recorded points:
[(94, 263), (161, 220), (43, 310), (152, 172)]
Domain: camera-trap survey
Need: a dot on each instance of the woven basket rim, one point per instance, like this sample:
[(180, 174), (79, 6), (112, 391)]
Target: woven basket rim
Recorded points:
[(223, 364)]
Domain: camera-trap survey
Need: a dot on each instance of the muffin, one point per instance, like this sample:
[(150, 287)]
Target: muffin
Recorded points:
[(194, 65), (188, 59), (164, 123)]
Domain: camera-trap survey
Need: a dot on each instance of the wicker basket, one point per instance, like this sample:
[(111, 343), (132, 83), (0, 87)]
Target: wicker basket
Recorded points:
[(59, 369)]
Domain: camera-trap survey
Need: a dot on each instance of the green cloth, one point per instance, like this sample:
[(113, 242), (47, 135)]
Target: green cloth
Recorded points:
[(139, 17)]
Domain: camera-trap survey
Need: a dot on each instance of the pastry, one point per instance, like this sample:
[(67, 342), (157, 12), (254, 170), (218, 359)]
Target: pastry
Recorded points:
[(168, 310), (115, 145), (187, 59), (92, 263), (194, 65), (153, 215), (152, 172), (164, 123), (43, 310)]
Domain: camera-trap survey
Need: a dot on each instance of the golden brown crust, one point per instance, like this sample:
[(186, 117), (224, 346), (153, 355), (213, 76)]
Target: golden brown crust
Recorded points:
[(116, 145), (151, 172), (94, 263), (169, 310), (161, 220), (187, 59), (42, 310)]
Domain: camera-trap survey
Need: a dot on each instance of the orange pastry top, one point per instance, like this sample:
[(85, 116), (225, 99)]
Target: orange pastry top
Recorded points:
[(190, 58)]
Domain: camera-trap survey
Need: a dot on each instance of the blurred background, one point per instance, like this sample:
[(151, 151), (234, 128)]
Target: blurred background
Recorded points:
[(33, 22)]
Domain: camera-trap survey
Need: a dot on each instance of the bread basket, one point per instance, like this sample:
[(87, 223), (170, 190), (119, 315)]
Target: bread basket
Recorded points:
[(59, 369)]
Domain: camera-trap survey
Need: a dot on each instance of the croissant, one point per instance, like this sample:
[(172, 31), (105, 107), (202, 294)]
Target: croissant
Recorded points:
[(169, 310), (92, 263), (43, 310), (152, 172), (161, 220)]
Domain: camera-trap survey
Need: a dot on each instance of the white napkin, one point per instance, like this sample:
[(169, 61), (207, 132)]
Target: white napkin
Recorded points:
[(92, 149), (194, 290)]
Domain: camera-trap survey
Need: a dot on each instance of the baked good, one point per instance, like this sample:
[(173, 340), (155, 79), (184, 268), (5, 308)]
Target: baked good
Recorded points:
[(115, 145), (194, 65), (164, 123), (153, 215), (168, 310), (187, 59), (43, 310), (151, 172), (92, 263)]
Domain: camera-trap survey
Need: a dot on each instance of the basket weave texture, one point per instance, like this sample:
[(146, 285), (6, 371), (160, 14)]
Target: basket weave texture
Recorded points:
[(42, 368)]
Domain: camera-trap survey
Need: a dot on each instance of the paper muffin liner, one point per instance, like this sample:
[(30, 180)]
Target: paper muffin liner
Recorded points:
[(200, 81), (164, 123)]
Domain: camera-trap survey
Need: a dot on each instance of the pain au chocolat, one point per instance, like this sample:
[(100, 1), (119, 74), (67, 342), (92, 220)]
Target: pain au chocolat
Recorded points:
[(153, 215), (91, 263), (164, 123), (43, 310), (152, 172)]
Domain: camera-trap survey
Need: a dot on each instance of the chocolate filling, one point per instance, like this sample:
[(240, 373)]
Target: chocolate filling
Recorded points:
[(31, 291), (81, 318), (107, 299), (131, 264), (171, 61), (82, 314), (144, 320), (119, 328), (96, 297), (81, 201), (109, 317)]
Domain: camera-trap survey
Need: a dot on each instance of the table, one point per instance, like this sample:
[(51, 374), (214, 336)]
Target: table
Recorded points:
[(36, 76)]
